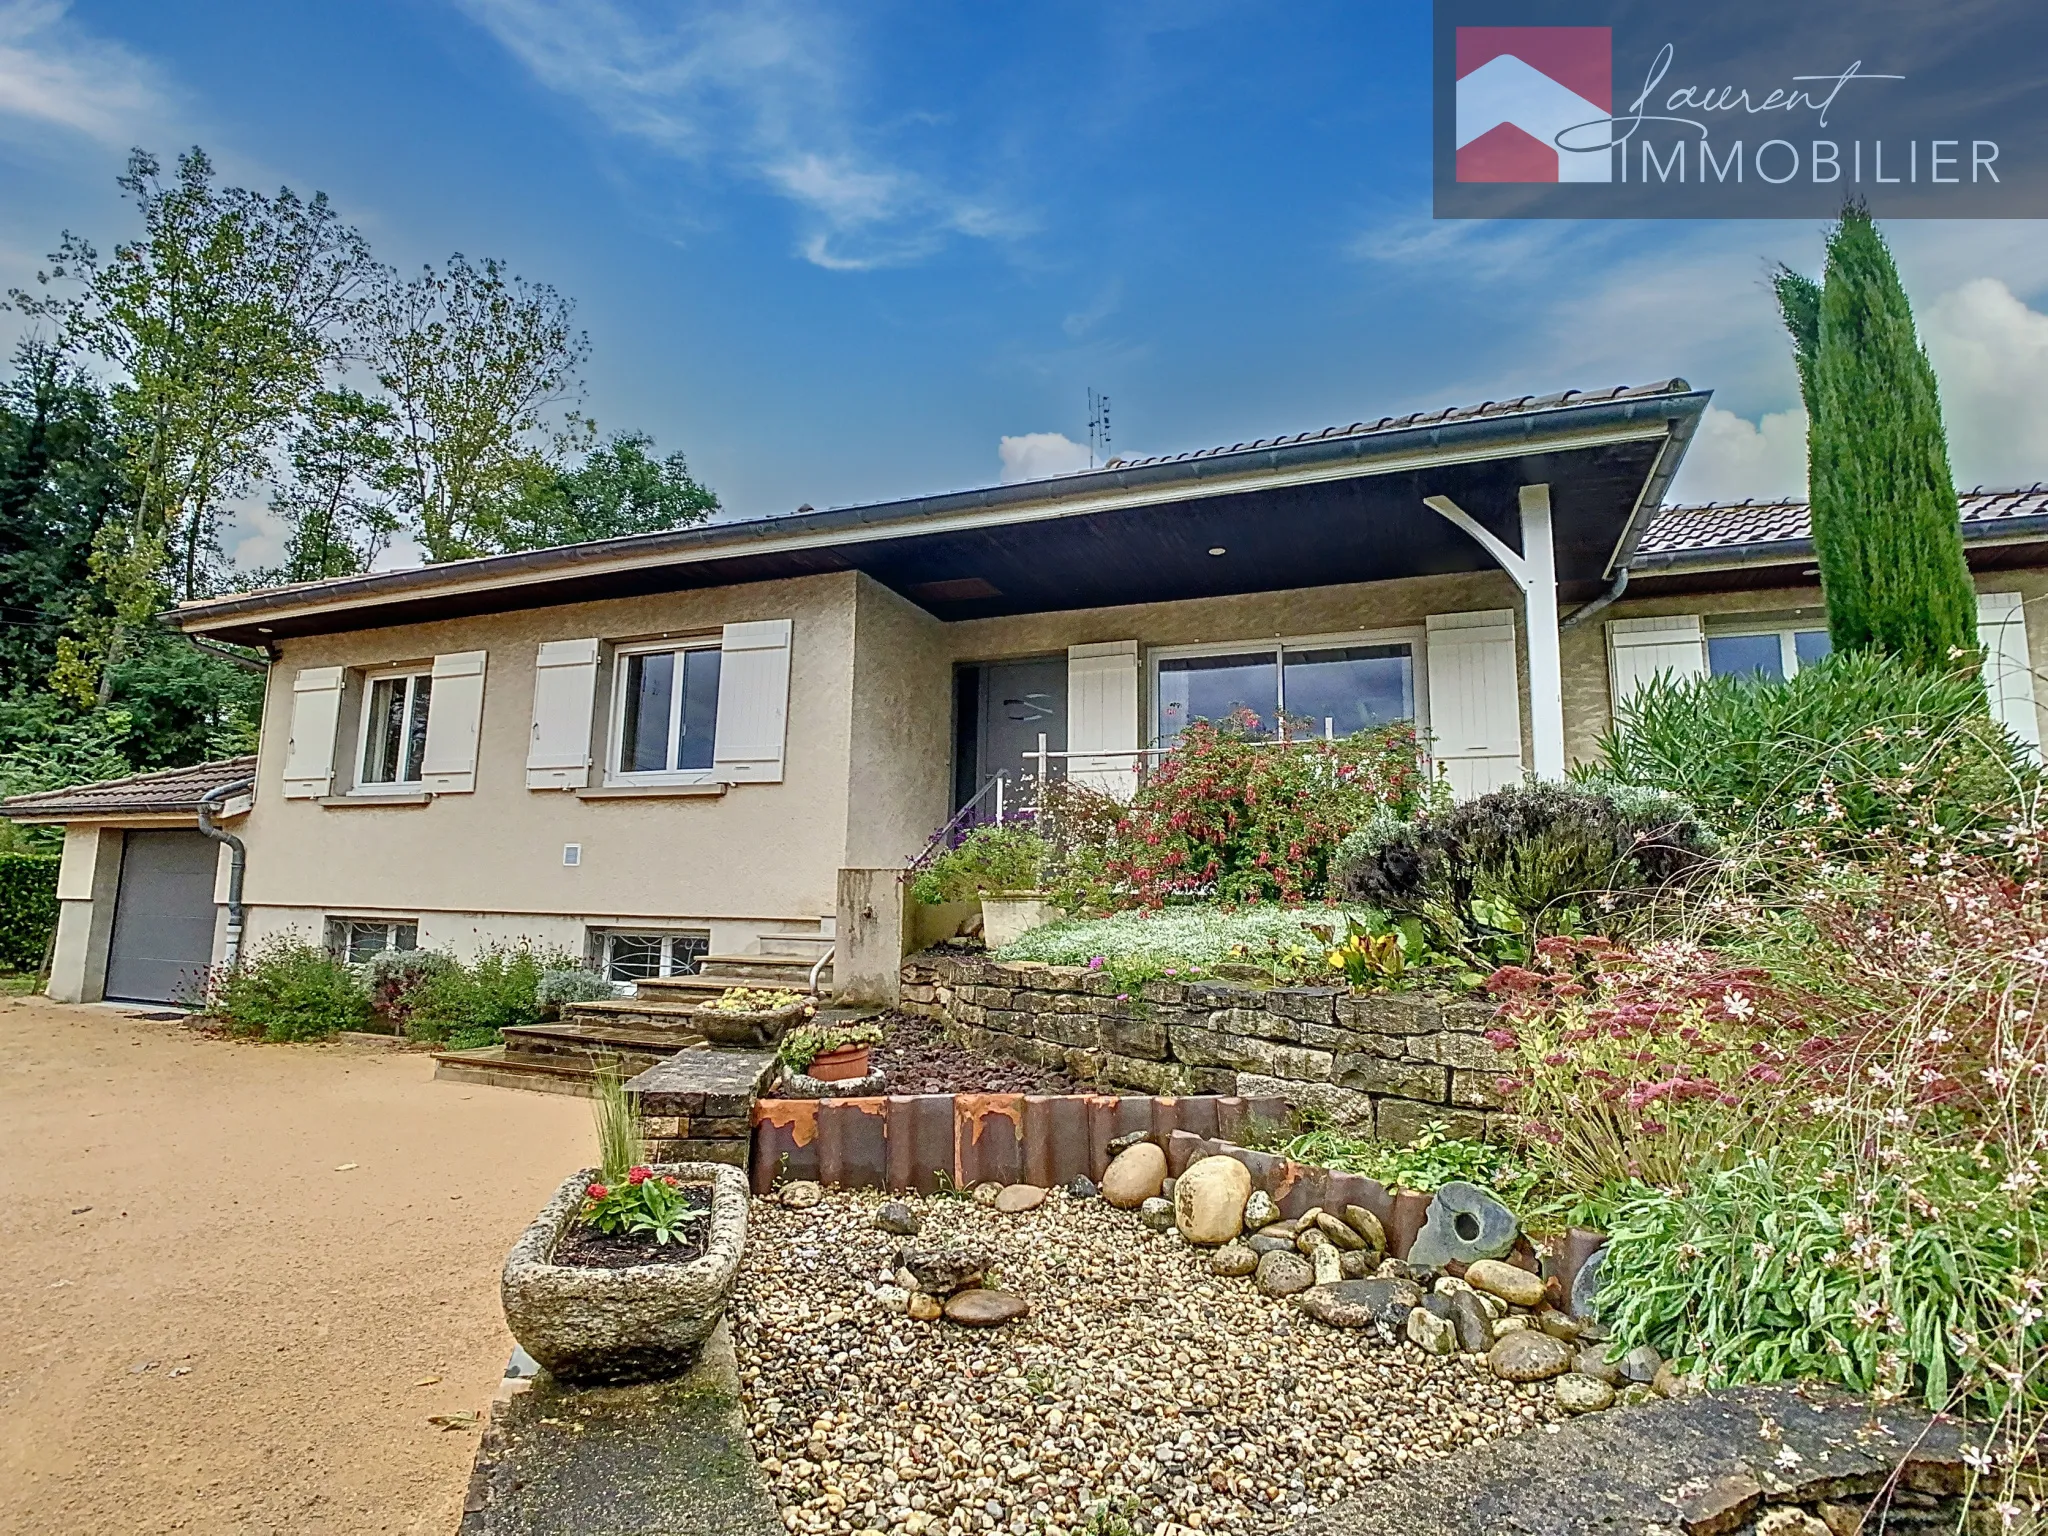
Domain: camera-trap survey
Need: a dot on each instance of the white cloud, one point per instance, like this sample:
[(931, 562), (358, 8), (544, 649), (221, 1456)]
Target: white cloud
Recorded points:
[(749, 88), (54, 74), (1735, 459), (1990, 352), (1037, 455)]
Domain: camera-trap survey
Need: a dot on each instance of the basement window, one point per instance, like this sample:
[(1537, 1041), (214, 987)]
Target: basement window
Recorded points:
[(359, 939), (627, 956)]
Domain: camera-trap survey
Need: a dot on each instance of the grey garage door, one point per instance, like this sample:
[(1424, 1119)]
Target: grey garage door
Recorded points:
[(163, 916)]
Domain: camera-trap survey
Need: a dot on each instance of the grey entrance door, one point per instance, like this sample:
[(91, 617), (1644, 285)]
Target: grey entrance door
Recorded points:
[(1004, 707), (163, 916)]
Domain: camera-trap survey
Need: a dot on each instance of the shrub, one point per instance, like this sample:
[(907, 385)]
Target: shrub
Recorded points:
[(1855, 746), (394, 975), (570, 985), (1228, 813), (288, 989), (28, 908), (998, 858), (498, 990), (1522, 860)]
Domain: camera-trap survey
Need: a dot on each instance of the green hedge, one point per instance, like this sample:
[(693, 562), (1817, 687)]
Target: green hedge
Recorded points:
[(28, 908)]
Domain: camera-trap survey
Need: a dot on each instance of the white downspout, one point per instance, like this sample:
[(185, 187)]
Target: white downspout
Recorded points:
[(1534, 570)]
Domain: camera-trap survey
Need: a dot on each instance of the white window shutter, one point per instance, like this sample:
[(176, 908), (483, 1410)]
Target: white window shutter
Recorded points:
[(1102, 716), (753, 702), (454, 719), (316, 710), (1475, 700), (2008, 666), (1639, 649), (564, 691)]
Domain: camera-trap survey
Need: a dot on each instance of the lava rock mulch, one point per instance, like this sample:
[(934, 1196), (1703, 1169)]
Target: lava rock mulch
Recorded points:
[(1140, 1387), (915, 1056)]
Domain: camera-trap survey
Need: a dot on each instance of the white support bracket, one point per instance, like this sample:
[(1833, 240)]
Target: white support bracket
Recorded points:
[(1534, 570)]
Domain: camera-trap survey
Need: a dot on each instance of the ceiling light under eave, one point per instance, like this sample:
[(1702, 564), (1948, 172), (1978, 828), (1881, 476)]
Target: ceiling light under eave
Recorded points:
[(1219, 550)]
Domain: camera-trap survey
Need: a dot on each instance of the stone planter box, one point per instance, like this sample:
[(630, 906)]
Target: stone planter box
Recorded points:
[(614, 1325), (1007, 917), (727, 1028)]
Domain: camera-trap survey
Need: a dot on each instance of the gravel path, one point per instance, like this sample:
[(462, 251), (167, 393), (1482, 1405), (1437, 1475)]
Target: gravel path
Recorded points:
[(1142, 1394)]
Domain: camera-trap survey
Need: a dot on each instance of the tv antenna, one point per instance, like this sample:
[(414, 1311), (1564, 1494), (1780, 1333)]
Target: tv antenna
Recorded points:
[(1098, 428)]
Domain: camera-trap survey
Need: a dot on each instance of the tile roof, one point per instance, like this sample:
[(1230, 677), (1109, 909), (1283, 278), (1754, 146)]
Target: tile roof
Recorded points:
[(168, 789), (1717, 527), (1485, 409)]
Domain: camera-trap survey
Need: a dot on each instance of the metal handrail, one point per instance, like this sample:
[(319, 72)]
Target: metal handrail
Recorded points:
[(939, 838), (819, 964)]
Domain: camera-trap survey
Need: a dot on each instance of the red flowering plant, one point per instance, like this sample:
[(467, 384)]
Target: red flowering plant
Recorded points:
[(643, 1204), (1242, 814), (1640, 1065)]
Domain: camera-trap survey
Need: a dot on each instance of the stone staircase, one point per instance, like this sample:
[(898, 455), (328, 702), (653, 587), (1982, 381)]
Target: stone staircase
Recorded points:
[(637, 1032)]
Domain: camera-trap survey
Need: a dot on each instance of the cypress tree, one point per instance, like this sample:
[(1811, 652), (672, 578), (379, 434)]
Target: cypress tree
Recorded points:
[(1886, 525)]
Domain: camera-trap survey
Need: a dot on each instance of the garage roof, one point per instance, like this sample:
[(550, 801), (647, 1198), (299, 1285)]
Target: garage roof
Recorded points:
[(167, 791)]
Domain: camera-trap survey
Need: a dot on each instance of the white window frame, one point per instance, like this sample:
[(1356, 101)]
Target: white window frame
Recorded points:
[(1414, 637), (340, 930), (1788, 650), (667, 938), (358, 785), (615, 731)]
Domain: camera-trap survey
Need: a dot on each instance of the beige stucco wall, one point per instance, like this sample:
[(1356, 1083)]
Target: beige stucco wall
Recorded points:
[(1587, 702), (900, 786), (760, 857)]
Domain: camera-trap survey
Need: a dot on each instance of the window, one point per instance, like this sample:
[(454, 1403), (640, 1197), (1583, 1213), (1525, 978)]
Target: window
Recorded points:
[(1770, 653), (636, 956), (1336, 687), (666, 712), (394, 738), (357, 939)]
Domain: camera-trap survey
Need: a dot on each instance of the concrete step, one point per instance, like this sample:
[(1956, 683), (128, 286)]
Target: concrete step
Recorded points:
[(710, 984), (493, 1068), (575, 1036), (793, 970), (808, 945), (650, 1018)]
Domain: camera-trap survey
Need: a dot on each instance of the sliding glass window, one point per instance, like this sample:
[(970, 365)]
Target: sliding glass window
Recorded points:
[(1315, 687)]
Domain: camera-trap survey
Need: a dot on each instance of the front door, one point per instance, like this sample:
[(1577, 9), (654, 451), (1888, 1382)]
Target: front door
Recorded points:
[(1005, 706)]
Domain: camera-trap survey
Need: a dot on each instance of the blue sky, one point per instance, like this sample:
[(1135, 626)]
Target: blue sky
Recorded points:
[(841, 252)]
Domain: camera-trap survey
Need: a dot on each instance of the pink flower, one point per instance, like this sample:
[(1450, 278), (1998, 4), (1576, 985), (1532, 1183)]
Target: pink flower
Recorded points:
[(637, 1176), (597, 1191), (1502, 1039), (671, 1181)]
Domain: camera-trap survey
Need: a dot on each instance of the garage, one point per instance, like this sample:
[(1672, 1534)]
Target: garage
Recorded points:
[(137, 915), (162, 939)]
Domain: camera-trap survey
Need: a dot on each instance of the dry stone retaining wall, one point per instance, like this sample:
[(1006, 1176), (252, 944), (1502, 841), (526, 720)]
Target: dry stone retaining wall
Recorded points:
[(1386, 1064)]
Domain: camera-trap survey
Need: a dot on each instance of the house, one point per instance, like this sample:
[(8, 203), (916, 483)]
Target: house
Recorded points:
[(731, 738)]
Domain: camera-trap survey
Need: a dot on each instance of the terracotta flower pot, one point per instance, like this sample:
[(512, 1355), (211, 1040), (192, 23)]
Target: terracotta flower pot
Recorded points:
[(840, 1064)]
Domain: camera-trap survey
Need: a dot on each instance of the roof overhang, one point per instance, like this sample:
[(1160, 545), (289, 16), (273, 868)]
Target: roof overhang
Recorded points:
[(1977, 538), (1309, 512)]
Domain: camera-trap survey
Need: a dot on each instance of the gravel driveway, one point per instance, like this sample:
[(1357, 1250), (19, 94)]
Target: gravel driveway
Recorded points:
[(237, 1280)]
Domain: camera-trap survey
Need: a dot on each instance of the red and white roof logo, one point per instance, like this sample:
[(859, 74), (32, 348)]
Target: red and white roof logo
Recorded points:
[(1519, 88)]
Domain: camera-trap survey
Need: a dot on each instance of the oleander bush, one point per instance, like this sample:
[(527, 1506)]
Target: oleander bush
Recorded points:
[(1858, 745)]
